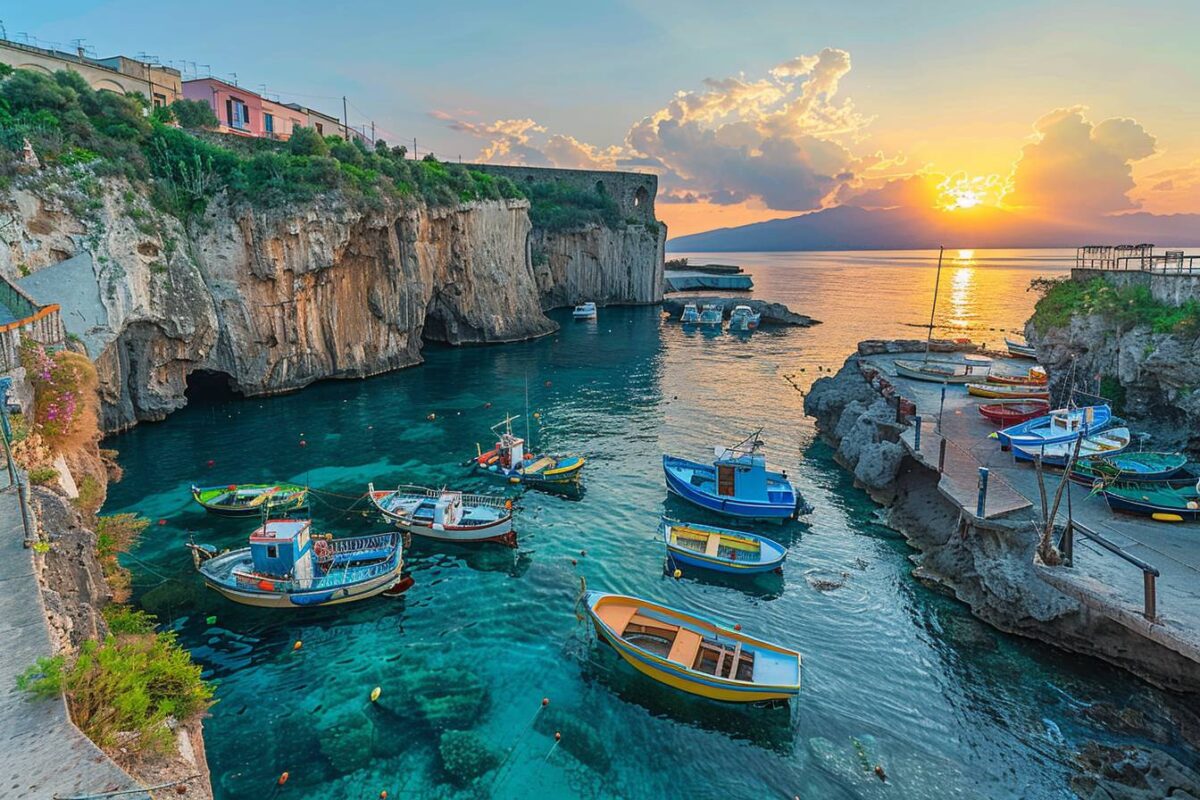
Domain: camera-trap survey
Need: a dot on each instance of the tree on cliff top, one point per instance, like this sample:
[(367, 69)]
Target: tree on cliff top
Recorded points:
[(307, 142), (194, 114)]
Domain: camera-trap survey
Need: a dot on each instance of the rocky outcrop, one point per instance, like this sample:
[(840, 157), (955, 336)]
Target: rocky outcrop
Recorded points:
[(1153, 379), (273, 299), (621, 265), (772, 313)]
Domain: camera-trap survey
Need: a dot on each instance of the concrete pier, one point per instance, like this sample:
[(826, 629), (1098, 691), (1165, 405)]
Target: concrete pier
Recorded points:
[(1100, 579)]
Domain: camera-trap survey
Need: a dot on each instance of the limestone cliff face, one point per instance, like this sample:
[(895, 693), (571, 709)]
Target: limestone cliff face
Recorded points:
[(274, 299), (1153, 379), (621, 265)]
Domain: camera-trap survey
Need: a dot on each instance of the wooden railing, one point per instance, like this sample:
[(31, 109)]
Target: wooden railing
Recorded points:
[(1066, 547), (1138, 258)]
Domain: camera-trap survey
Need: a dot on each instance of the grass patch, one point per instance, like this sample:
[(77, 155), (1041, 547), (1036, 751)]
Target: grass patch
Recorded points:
[(1128, 306), (43, 475), (116, 534), (558, 206), (122, 691)]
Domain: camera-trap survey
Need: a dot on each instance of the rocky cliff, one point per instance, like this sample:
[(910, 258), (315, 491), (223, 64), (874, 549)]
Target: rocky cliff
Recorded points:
[(272, 299), (1147, 368), (622, 265)]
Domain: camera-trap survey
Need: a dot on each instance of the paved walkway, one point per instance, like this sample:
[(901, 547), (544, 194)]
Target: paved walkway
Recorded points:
[(1104, 581), (42, 755)]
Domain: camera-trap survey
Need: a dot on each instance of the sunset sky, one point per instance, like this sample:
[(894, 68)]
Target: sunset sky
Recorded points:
[(747, 111)]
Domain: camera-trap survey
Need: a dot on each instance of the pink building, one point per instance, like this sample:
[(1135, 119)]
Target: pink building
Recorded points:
[(243, 112)]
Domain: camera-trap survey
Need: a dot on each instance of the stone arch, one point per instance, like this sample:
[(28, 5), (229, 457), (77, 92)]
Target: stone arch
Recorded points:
[(36, 68), (640, 197), (210, 386), (601, 188), (108, 85)]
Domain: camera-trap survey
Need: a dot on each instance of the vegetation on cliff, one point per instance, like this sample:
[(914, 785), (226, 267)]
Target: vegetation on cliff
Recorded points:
[(68, 123), (560, 207), (1128, 306)]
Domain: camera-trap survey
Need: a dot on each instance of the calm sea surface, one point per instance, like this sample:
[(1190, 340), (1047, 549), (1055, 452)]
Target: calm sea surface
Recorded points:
[(895, 674)]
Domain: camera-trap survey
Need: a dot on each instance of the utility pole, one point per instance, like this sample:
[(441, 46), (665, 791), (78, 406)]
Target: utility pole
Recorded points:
[(414, 148), (372, 131), (345, 120)]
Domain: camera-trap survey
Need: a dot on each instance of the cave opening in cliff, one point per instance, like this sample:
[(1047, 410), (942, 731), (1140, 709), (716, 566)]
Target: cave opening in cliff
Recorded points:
[(210, 386)]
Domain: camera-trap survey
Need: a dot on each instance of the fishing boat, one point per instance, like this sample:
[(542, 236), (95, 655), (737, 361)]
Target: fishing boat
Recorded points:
[(692, 654), (1008, 391), (743, 318), (1143, 466), (447, 515), (584, 311), (737, 483), (1108, 442), (721, 549), (1011, 412), (690, 315), (251, 499), (1157, 500), (712, 316), (972, 369), (1020, 349), (287, 566), (508, 459), (1061, 425), (1036, 376)]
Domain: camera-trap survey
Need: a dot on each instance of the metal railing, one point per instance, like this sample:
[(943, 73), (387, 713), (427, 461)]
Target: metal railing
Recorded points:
[(1066, 546), (1137, 258)]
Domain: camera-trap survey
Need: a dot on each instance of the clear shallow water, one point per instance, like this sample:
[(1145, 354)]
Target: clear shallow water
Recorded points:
[(895, 674)]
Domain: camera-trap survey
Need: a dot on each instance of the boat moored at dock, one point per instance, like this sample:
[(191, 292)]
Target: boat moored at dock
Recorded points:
[(721, 549), (1158, 500), (944, 371), (690, 314), (1036, 376), (691, 654), (251, 499), (287, 566), (1020, 349), (737, 483), (1008, 391), (1107, 442), (743, 318), (712, 316), (1061, 425), (1012, 412), (445, 515), (584, 311)]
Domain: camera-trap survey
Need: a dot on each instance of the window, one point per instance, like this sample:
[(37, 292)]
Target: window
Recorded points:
[(320, 130), (272, 551), (237, 114), (160, 100), (268, 122)]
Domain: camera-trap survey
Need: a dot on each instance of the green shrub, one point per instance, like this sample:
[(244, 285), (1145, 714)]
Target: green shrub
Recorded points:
[(193, 114), (556, 206), (130, 683), (43, 475), (1127, 306), (307, 142), (122, 619)]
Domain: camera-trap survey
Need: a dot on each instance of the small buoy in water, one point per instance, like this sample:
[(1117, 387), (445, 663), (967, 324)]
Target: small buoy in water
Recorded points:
[(547, 383), (383, 795), (879, 773), (211, 463), (557, 736), (737, 626), (487, 405), (677, 574), (583, 552), (297, 645), (537, 415), (545, 702), (303, 443), (431, 417), (282, 779), (375, 693), (162, 522), (574, 562), (210, 620)]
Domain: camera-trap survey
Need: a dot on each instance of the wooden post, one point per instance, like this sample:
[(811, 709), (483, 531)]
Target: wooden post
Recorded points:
[(917, 433), (1151, 612), (941, 407), (1067, 545), (981, 502), (899, 416), (942, 456)]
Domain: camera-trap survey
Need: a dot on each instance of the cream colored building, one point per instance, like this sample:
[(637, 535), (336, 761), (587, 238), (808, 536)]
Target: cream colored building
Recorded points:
[(161, 85)]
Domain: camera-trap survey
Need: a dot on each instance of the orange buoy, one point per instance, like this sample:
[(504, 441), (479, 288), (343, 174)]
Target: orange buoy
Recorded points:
[(737, 626), (297, 645), (383, 795), (283, 778), (557, 736), (545, 702), (266, 586), (162, 522)]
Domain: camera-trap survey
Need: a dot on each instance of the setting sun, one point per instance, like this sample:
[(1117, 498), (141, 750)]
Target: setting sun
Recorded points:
[(960, 192)]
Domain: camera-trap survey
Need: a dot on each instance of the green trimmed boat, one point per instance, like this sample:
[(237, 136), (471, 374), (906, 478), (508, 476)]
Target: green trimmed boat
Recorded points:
[(1133, 467), (1159, 501), (251, 499)]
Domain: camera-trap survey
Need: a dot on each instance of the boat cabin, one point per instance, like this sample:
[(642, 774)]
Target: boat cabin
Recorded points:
[(741, 474), (1072, 421), (511, 451), (281, 549), (448, 510)]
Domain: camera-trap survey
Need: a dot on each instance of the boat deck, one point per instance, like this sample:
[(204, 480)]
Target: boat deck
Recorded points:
[(1100, 579)]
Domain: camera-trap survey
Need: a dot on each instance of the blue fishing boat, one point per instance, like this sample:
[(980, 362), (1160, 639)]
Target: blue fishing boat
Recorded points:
[(1061, 425), (1110, 441), (691, 654), (737, 483), (287, 566), (721, 549), (690, 315)]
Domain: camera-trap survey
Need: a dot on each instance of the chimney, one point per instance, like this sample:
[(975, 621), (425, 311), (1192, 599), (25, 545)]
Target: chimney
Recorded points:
[(79, 52)]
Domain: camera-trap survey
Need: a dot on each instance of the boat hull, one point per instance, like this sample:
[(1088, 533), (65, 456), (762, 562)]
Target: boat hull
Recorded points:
[(1024, 434), (950, 372), (296, 500), (729, 506), (1014, 413), (326, 597), (1148, 508), (687, 680), (1008, 391), (772, 554), (1107, 443)]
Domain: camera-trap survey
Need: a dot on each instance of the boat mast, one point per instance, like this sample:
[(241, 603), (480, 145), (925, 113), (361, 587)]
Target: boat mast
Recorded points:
[(528, 437), (933, 311)]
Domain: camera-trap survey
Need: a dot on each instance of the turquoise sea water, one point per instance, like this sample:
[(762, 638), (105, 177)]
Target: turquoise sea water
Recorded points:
[(895, 674)]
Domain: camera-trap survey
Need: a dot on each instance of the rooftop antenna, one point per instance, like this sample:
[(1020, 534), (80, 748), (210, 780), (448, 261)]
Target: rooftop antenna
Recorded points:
[(207, 69), (234, 76), (3, 32)]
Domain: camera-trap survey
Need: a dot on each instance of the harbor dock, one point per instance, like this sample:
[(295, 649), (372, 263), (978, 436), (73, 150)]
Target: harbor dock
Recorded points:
[(1141, 574)]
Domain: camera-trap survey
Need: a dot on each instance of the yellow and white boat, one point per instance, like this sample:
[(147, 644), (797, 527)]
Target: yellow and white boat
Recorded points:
[(1008, 391), (692, 654)]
